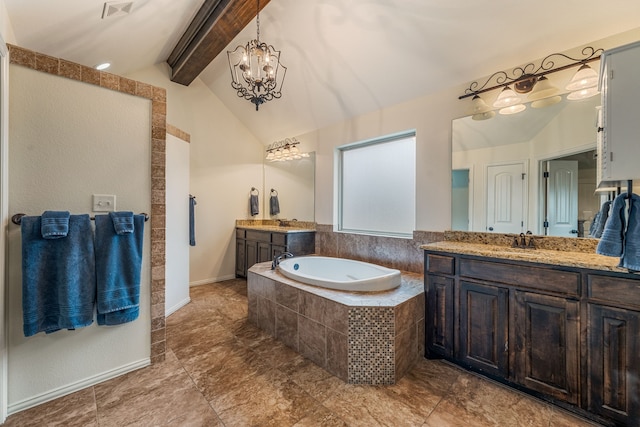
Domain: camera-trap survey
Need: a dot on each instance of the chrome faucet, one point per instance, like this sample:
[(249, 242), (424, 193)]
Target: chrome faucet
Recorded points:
[(278, 258)]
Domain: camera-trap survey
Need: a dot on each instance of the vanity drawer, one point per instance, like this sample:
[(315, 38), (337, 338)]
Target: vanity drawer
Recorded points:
[(614, 289), (259, 236), (279, 239), (440, 264), (543, 279)]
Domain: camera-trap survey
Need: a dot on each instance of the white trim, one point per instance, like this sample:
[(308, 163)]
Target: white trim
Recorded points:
[(177, 307), (4, 220), (77, 386), (212, 280)]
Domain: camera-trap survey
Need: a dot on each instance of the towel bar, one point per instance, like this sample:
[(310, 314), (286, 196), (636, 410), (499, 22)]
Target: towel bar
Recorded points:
[(17, 218)]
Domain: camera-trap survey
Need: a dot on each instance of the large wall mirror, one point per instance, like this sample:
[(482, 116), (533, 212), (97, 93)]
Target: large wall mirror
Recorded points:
[(499, 167), (294, 183)]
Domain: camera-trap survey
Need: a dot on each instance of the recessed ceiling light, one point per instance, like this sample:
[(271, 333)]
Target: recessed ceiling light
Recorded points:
[(103, 66)]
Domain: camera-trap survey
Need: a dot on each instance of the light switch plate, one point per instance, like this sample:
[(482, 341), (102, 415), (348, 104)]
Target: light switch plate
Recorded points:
[(104, 202)]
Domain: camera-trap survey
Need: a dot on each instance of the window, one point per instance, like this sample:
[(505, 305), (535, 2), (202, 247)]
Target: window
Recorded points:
[(377, 186)]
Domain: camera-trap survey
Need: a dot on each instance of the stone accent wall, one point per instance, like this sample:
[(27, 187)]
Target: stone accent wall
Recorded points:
[(392, 252)]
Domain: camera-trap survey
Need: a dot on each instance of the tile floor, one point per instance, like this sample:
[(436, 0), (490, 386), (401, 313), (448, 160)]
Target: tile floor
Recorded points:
[(222, 371)]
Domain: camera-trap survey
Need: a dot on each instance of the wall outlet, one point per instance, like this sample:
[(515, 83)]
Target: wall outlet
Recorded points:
[(104, 203)]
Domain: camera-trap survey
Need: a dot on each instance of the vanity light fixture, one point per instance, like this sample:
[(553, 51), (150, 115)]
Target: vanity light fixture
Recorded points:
[(577, 95), (480, 109), (286, 149), (506, 98), (584, 78), (531, 79), (256, 72)]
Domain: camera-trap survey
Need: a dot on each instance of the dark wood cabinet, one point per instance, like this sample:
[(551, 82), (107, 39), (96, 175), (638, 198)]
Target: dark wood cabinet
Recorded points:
[(566, 334), (547, 346), (484, 328), (255, 246), (439, 327), (614, 363)]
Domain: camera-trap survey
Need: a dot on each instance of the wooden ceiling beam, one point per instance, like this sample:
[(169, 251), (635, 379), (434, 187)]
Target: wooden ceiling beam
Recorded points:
[(212, 29)]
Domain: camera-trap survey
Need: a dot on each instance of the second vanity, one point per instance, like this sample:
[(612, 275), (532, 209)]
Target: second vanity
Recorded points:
[(260, 240), (559, 324)]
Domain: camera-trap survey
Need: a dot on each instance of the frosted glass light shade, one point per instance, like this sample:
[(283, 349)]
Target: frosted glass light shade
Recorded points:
[(513, 109), (506, 98), (542, 89), (585, 77), (478, 105), (583, 94)]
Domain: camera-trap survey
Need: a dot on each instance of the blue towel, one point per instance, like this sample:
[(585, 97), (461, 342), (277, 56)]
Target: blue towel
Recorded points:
[(612, 241), (58, 276), (597, 226), (631, 256), (254, 204), (122, 222), (274, 205), (192, 220), (621, 236), (118, 266), (55, 224)]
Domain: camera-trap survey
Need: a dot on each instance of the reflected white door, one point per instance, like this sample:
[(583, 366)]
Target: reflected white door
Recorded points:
[(562, 185), (505, 198)]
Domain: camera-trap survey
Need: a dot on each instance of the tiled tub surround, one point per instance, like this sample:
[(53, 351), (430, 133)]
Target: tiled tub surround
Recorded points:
[(393, 252), (362, 338)]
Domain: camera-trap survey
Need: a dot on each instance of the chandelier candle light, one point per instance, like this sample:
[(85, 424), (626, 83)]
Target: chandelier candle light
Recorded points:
[(256, 72)]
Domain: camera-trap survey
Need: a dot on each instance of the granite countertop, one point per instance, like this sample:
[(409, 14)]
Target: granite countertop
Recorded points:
[(278, 226), (589, 260)]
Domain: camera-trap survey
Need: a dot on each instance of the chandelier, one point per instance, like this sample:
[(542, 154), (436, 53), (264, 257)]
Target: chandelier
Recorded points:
[(256, 72)]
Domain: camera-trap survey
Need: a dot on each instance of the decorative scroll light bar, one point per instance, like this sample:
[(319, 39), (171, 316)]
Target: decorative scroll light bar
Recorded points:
[(524, 78), (286, 149)]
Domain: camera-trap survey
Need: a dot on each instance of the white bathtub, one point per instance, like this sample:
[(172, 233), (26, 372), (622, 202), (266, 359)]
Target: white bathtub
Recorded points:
[(339, 273)]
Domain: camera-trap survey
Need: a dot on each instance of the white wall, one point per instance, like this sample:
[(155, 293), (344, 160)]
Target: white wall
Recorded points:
[(225, 162), (70, 140), (431, 117), (177, 229)]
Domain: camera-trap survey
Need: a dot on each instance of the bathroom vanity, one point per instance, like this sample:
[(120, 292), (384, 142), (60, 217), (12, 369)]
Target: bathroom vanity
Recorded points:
[(564, 326), (261, 242)]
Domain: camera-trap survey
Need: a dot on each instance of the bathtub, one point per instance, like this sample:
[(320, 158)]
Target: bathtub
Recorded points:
[(341, 274)]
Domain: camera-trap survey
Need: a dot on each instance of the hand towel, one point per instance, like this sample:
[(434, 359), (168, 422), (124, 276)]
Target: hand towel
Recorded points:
[(55, 224), (58, 276), (631, 257), (597, 227), (274, 205), (254, 204), (118, 266), (612, 241), (122, 222), (192, 220)]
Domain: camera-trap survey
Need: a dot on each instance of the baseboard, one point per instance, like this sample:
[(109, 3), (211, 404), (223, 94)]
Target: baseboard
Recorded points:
[(177, 307), (212, 280), (76, 386)]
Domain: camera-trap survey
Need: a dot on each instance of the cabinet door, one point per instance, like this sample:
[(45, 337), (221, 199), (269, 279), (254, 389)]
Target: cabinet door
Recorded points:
[(614, 363), (264, 252), (241, 258), (484, 328), (251, 252), (546, 334), (439, 316)]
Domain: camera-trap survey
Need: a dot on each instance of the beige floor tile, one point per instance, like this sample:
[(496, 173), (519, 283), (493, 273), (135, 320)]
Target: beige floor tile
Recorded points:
[(76, 409), (321, 417), (371, 406), (311, 378)]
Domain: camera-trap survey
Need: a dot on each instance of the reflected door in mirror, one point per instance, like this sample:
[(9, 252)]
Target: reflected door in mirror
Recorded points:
[(563, 198), (505, 198)]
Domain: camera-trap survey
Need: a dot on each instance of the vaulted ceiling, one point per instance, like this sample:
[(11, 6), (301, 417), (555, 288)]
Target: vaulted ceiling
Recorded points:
[(344, 58)]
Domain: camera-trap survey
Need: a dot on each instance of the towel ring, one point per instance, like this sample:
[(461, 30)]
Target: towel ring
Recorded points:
[(274, 191), (256, 190)]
